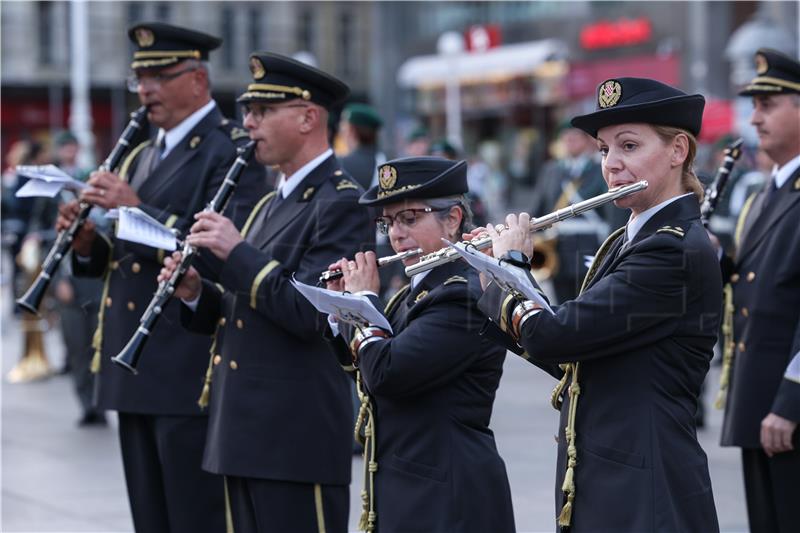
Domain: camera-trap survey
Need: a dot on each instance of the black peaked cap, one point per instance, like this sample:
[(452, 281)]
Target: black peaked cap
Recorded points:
[(160, 45), (642, 100), (776, 73), (277, 78), (417, 178)]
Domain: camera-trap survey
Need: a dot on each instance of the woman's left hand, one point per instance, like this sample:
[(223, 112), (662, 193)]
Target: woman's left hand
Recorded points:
[(361, 274), (515, 236)]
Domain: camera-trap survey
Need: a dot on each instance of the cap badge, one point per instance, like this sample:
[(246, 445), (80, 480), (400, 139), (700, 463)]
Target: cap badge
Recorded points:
[(761, 64), (257, 68), (387, 176), (194, 142), (609, 94), (145, 37)]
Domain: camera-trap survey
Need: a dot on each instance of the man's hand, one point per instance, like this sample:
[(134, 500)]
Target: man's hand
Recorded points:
[(361, 274), (108, 191), (67, 213), (190, 286), (215, 232), (776, 434)]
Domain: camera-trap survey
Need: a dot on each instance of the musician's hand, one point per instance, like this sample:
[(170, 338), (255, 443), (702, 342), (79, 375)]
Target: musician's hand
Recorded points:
[(477, 232), (190, 286), (335, 284), (515, 235), (215, 232), (67, 213), (776, 434), (108, 191), (361, 274)]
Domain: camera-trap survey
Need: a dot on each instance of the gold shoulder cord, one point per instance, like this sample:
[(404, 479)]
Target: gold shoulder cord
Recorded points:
[(727, 318), (366, 420), (571, 369)]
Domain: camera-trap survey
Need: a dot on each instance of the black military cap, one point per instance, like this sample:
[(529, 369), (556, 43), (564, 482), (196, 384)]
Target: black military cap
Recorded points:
[(776, 73), (160, 45), (417, 177), (279, 78), (623, 100)]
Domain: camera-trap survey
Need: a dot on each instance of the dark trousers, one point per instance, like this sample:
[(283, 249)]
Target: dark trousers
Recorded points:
[(167, 488), (77, 328), (271, 506), (772, 487)]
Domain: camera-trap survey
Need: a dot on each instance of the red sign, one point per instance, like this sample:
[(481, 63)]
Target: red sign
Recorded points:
[(717, 120), (584, 78), (482, 38), (624, 32)]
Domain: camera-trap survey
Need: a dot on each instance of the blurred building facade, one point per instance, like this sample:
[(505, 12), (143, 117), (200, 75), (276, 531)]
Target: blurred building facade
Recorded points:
[(373, 45)]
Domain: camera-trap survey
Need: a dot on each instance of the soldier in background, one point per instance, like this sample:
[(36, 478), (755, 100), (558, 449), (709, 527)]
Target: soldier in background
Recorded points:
[(359, 127)]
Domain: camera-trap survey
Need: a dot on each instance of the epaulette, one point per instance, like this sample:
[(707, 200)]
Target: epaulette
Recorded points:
[(341, 183), (233, 130), (455, 279), (672, 230)]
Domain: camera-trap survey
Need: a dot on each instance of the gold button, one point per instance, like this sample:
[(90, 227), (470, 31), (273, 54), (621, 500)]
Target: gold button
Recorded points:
[(239, 323), (751, 276), (217, 359), (741, 346), (131, 306), (114, 265), (135, 268), (234, 365), (338, 173), (734, 277), (745, 312), (222, 321), (108, 301)]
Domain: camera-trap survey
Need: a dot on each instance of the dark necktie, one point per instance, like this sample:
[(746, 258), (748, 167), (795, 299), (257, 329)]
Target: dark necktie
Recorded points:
[(769, 193), (276, 201), (158, 153)]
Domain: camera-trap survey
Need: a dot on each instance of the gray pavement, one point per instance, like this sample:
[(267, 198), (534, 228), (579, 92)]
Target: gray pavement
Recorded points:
[(57, 477)]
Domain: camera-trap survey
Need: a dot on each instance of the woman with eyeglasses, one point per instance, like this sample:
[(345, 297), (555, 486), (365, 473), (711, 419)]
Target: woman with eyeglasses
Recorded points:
[(428, 386)]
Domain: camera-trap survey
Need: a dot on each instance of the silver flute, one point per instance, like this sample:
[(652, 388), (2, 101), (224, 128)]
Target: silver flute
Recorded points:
[(330, 275), (447, 255)]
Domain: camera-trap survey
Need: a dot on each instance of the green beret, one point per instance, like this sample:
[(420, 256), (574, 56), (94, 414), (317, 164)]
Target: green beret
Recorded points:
[(362, 115)]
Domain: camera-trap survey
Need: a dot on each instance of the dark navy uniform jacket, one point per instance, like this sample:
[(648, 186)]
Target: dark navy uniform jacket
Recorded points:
[(765, 277), (643, 331), (280, 405), (433, 384), (172, 365)]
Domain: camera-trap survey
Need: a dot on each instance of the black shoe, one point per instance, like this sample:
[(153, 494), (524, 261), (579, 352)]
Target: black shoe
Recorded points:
[(92, 418)]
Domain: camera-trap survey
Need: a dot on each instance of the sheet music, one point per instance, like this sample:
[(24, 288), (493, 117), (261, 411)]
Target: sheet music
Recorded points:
[(46, 180), (351, 308), (137, 226), (507, 276)]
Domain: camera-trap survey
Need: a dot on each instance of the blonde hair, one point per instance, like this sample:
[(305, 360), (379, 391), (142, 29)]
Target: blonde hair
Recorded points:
[(689, 180)]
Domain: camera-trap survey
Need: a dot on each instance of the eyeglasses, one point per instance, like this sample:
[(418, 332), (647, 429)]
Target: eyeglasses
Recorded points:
[(406, 217), (259, 111), (134, 82)]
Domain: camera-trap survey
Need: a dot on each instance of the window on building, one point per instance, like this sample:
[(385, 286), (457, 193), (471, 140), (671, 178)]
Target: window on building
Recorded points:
[(305, 31), (346, 39), (228, 38), (163, 11), (256, 33), (45, 32)]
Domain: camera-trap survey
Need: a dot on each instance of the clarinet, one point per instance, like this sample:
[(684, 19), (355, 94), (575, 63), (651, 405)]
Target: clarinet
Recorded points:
[(32, 298), (714, 191), (128, 358)]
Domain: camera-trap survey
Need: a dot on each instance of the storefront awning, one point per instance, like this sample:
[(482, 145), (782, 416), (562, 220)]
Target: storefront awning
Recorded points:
[(502, 62)]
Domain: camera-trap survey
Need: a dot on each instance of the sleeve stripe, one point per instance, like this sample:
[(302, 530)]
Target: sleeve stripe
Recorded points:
[(258, 279)]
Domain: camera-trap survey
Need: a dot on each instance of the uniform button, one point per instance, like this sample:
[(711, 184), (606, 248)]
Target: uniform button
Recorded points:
[(751, 276), (734, 277), (222, 321), (239, 323), (108, 301), (745, 312), (338, 173), (136, 268), (217, 359), (741, 346), (234, 365), (114, 265), (131, 306)]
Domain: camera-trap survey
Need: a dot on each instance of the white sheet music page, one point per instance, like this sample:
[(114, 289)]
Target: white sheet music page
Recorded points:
[(502, 273), (137, 226), (45, 180), (344, 306)]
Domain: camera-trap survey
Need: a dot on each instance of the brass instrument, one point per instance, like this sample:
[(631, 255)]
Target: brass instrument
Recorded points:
[(33, 296), (544, 261), (447, 255), (330, 275)]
